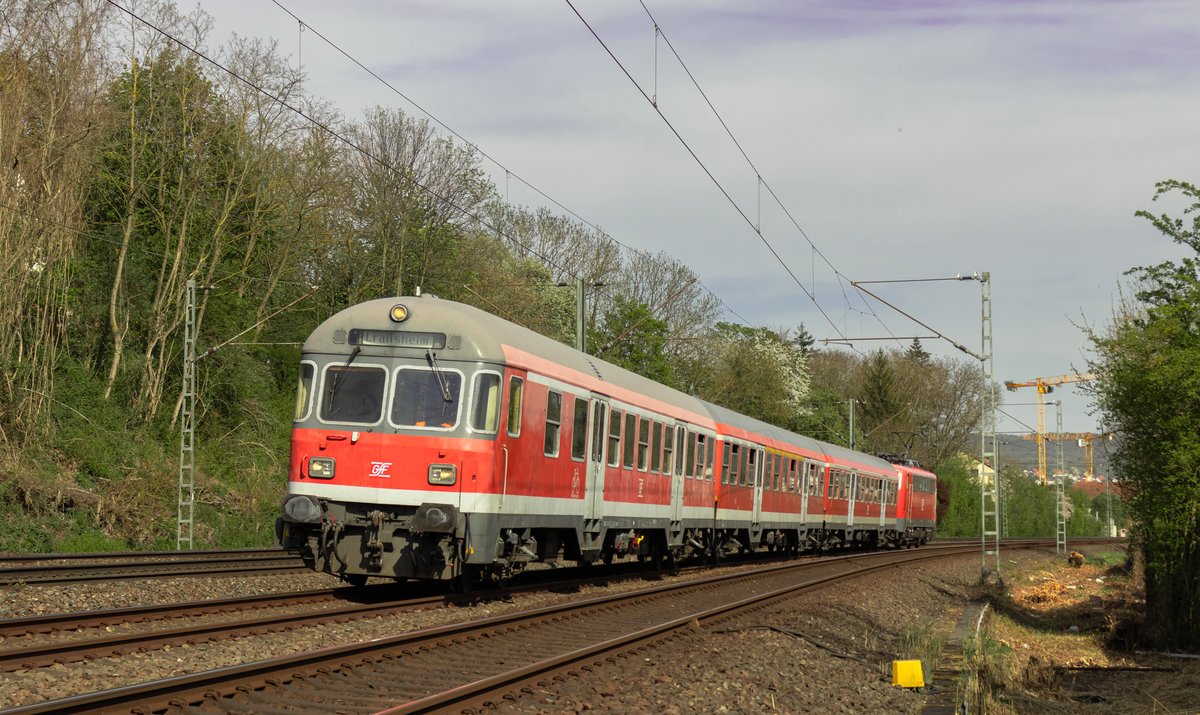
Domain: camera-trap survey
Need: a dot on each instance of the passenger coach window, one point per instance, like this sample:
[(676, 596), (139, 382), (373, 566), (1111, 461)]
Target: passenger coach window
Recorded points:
[(553, 422), (614, 438), (579, 430), (424, 398), (702, 465), (726, 463), (680, 442), (668, 448), (485, 406), (708, 460), (516, 388), (598, 410), (353, 393), (304, 391), (656, 448), (691, 454), (643, 451), (630, 438)]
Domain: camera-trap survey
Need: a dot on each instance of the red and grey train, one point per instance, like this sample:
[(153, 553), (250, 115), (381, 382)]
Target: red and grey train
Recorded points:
[(433, 440)]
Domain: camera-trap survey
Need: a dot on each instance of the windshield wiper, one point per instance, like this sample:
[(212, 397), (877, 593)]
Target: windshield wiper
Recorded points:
[(336, 383), (437, 371)]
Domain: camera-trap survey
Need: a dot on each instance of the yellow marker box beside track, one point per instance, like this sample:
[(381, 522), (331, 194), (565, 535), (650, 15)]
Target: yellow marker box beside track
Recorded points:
[(907, 674)]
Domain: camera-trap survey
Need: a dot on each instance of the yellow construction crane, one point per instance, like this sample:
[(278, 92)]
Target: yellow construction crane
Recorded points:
[(1046, 385), (1083, 438)]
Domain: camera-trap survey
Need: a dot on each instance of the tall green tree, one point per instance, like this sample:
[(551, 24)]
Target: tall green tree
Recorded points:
[(916, 352), (883, 404), (634, 339), (759, 372), (958, 499), (1148, 360)]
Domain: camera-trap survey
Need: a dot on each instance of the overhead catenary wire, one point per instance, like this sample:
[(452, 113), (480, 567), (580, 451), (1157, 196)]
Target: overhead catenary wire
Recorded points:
[(508, 172), (761, 182), (704, 167)]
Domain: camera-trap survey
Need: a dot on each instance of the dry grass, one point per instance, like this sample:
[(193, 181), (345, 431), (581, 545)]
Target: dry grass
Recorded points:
[(1062, 628)]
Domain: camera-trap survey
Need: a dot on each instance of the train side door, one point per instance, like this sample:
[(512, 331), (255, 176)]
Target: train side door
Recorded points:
[(850, 504), (597, 437), (904, 508), (677, 485), (756, 476), (885, 493), (805, 475)]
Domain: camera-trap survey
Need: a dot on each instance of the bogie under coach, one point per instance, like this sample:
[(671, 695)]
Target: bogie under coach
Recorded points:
[(433, 440)]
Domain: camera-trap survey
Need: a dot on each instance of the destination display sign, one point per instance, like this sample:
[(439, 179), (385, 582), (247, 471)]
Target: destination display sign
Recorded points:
[(397, 339)]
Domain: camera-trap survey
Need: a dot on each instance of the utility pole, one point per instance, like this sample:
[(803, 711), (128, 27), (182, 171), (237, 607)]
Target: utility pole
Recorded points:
[(989, 457), (852, 401), (580, 339), (1060, 532), (1112, 526), (989, 489), (187, 429)]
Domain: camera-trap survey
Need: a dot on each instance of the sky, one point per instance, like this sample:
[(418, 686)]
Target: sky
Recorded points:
[(903, 140)]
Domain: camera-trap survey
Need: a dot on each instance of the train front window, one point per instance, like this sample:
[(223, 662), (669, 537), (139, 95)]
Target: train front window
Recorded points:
[(304, 391), (353, 393), (485, 409), (426, 398)]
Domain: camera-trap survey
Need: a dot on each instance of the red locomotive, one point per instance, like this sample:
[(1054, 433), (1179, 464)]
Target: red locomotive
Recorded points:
[(433, 440)]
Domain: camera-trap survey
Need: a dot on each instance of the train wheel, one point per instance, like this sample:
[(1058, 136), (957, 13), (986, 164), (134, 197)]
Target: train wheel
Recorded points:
[(470, 579), (672, 562)]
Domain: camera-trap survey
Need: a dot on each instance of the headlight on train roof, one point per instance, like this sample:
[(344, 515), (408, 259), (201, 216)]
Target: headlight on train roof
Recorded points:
[(442, 475), (302, 508), (321, 467), (399, 313)]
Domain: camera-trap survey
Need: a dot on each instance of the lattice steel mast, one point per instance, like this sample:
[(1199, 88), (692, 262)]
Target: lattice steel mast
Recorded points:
[(187, 429)]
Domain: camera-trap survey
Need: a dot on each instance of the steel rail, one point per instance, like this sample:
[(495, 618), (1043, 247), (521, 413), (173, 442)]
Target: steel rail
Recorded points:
[(203, 686), (204, 566), (137, 555), (369, 601)]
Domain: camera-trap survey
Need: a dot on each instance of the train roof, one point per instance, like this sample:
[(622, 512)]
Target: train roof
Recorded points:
[(832, 452), (475, 335)]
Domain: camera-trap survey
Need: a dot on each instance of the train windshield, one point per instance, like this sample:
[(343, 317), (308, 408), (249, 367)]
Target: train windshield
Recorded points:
[(353, 393), (426, 398)]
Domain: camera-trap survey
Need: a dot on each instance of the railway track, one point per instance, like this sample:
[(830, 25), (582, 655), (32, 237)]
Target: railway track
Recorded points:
[(74, 568), (46, 640), (464, 664)]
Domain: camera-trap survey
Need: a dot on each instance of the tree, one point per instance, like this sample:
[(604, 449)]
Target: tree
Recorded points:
[(1030, 506), (882, 404), (958, 499), (916, 352), (634, 339), (1148, 360), (413, 194), (756, 371), (804, 340), (50, 76)]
